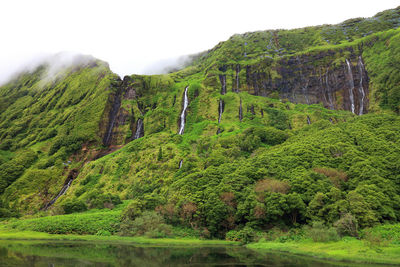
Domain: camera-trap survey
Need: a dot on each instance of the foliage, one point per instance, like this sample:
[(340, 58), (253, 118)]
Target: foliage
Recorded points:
[(73, 205), (347, 225), (149, 223), (320, 233), (260, 165), (79, 223), (244, 236)]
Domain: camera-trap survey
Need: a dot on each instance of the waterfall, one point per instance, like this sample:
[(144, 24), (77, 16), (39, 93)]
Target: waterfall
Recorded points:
[(361, 88), (240, 111), (308, 120), (237, 77), (180, 163), (305, 93), (139, 129), (222, 78), (112, 116), (328, 88), (62, 192), (183, 114), (220, 109), (304, 88), (351, 80)]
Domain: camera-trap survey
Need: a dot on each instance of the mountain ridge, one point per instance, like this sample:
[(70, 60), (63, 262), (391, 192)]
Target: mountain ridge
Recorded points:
[(268, 139)]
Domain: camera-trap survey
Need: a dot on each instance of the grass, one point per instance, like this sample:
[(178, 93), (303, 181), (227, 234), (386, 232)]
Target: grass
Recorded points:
[(344, 250), (32, 235), (86, 223)]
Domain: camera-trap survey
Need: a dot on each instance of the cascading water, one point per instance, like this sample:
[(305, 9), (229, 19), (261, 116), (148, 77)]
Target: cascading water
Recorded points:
[(112, 118), (222, 78), (237, 78), (180, 163), (240, 111), (183, 114), (62, 192), (220, 109), (139, 129), (361, 88), (351, 80), (308, 120), (328, 89), (304, 88), (72, 175)]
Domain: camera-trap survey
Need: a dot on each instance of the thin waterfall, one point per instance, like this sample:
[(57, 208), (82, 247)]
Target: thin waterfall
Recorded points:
[(220, 109), (180, 163), (112, 116), (237, 77), (62, 192), (308, 120), (240, 111), (361, 88), (329, 90), (351, 80), (222, 78), (139, 129), (183, 114)]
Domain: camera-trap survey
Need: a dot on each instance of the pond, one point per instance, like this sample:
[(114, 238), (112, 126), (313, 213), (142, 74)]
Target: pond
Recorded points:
[(57, 253)]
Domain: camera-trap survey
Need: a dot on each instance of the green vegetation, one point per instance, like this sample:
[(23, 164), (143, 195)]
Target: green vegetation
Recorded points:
[(345, 250), (267, 169), (30, 235)]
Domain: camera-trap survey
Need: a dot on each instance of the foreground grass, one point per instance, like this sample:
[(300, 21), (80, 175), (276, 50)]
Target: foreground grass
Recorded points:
[(344, 250), (32, 235)]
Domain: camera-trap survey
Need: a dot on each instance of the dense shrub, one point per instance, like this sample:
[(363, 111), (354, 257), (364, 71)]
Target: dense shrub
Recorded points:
[(80, 223), (73, 205), (244, 236), (150, 223), (347, 225), (318, 232)]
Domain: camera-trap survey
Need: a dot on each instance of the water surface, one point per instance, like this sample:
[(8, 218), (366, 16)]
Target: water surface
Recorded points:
[(57, 253)]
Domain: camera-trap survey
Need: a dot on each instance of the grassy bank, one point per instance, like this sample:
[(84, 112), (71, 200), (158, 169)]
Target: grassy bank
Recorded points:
[(32, 235), (347, 249)]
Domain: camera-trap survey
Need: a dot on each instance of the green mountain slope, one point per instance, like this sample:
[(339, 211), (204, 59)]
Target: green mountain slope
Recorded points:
[(272, 133)]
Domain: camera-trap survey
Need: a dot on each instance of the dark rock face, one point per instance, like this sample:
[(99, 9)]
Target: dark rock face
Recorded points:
[(115, 103), (118, 116), (319, 78)]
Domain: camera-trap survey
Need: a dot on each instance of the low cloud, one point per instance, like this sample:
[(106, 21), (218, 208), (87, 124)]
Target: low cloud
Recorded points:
[(169, 65), (55, 65)]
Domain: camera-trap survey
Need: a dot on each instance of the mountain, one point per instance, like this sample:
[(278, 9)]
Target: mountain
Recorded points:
[(278, 127)]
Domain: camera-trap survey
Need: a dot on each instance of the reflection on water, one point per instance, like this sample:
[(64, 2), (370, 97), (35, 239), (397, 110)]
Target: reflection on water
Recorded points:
[(44, 253)]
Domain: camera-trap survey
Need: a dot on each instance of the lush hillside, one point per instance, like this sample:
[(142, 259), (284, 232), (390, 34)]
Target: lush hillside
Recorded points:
[(275, 134)]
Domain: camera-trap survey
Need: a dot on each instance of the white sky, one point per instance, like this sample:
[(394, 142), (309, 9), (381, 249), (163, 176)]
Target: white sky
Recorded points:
[(132, 35)]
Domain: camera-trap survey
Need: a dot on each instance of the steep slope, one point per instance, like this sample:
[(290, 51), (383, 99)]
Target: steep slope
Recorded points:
[(268, 135)]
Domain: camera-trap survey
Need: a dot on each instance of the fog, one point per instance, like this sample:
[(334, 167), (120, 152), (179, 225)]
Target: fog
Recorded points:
[(148, 37)]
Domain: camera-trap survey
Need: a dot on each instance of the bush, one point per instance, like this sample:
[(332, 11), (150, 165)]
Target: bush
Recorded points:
[(150, 223), (133, 210), (347, 225), (5, 213), (73, 205), (321, 233), (100, 201), (103, 233), (244, 236), (78, 223)]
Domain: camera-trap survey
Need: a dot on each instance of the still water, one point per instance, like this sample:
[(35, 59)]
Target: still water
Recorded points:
[(44, 253)]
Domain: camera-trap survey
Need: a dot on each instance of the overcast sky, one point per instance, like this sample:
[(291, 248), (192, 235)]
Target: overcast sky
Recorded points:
[(133, 35)]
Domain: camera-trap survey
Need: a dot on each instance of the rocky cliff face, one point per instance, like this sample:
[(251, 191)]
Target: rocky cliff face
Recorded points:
[(122, 125), (337, 79)]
